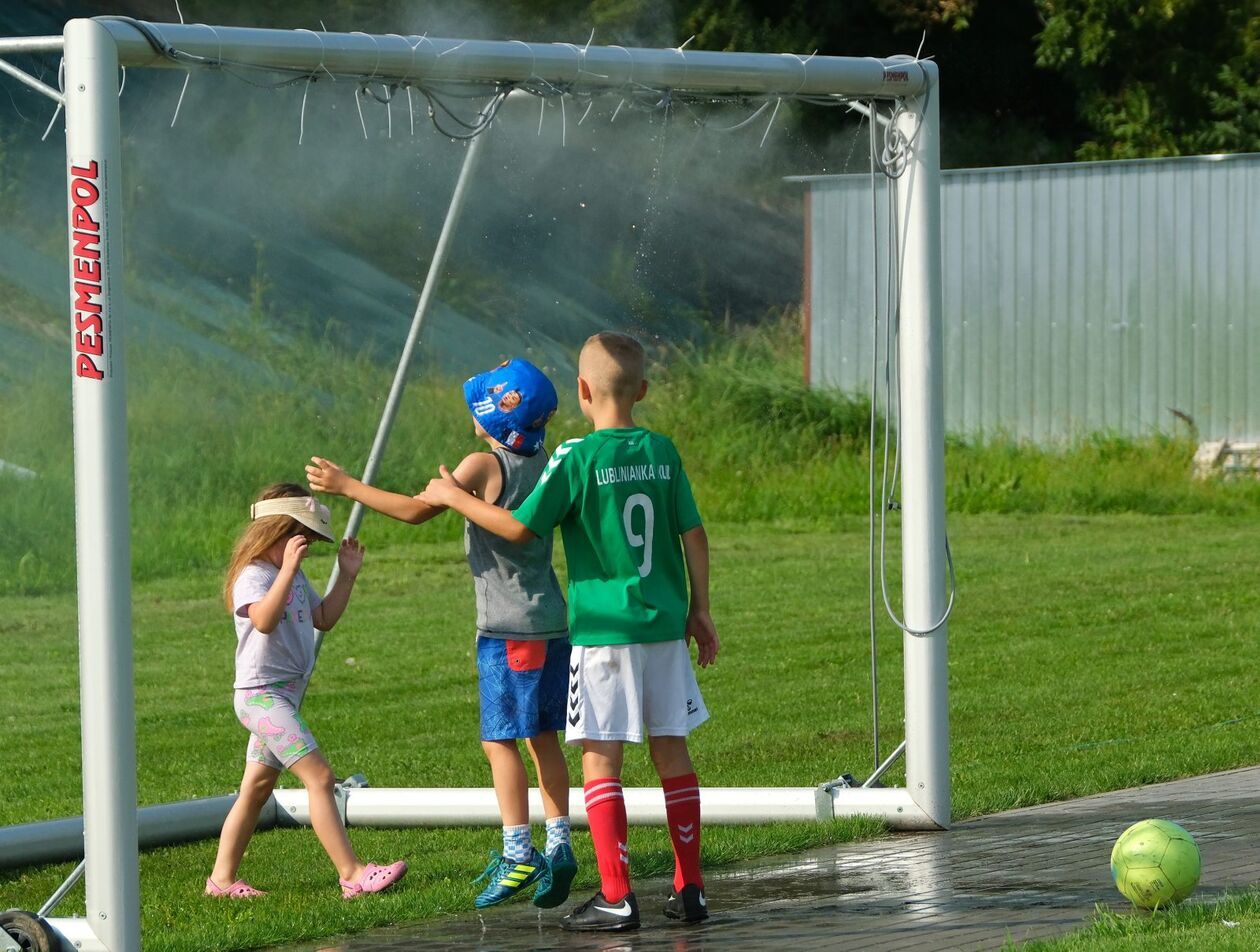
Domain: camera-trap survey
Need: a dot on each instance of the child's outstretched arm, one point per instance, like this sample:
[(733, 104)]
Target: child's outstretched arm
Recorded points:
[(349, 561), (445, 491), (326, 476), (699, 622)]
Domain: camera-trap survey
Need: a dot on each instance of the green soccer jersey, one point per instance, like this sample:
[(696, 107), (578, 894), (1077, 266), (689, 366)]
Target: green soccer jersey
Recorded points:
[(621, 500)]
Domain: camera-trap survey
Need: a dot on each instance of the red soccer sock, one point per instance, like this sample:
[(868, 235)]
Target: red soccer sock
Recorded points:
[(682, 813), (606, 815)]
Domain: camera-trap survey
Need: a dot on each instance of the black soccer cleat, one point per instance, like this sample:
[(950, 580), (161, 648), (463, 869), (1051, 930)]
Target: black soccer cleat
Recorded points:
[(597, 914), (687, 906)]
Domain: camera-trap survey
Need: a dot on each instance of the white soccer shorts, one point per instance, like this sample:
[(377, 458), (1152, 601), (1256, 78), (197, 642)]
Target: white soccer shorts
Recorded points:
[(617, 690)]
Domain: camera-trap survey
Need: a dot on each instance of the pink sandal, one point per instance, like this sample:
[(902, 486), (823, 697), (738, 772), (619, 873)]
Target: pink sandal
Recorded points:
[(238, 890), (374, 879)]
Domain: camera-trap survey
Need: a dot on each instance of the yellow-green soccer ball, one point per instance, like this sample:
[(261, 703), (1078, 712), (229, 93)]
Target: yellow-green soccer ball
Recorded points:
[(1155, 863)]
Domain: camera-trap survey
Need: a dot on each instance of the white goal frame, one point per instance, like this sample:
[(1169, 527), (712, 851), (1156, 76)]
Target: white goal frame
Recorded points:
[(93, 51)]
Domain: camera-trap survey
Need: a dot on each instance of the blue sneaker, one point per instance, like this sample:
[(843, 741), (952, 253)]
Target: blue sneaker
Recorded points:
[(553, 887), (508, 877)]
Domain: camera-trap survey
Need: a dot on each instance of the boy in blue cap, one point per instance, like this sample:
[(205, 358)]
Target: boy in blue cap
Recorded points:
[(522, 627)]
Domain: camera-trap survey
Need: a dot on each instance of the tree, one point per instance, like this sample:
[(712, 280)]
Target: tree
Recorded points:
[(1158, 77)]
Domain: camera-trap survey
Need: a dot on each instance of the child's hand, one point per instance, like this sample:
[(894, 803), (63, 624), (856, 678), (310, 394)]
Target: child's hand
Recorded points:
[(350, 558), (441, 490), (326, 476), (295, 551), (700, 627)]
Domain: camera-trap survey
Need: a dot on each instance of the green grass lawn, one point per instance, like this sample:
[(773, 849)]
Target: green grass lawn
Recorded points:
[(1086, 654)]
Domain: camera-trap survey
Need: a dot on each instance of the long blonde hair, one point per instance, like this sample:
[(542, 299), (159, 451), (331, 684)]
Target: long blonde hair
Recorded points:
[(260, 535)]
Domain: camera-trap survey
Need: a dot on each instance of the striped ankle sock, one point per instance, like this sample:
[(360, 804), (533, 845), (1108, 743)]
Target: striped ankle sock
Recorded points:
[(516, 843)]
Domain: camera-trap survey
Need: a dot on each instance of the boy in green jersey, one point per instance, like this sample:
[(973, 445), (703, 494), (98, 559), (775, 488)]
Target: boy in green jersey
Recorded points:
[(623, 504)]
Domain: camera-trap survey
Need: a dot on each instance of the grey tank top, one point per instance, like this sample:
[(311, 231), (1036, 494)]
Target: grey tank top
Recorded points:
[(518, 595)]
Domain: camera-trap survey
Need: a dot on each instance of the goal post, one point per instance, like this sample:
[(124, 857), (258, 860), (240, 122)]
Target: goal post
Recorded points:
[(922, 445), (95, 49), (102, 518)]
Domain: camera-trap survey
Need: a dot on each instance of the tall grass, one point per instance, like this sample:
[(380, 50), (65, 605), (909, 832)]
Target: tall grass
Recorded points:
[(205, 434), (203, 438)]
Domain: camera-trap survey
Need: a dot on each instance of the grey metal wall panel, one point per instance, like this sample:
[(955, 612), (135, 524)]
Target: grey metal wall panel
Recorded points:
[(1077, 298)]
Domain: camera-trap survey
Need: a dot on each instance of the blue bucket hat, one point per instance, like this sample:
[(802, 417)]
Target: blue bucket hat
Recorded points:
[(512, 403)]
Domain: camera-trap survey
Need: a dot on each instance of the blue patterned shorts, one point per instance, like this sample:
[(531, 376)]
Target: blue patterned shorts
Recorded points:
[(523, 686)]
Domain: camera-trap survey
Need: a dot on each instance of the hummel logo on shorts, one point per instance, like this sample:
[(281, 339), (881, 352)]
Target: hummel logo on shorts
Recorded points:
[(691, 706), (575, 697)]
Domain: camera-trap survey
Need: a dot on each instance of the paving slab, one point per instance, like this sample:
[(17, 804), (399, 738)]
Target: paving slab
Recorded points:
[(998, 880)]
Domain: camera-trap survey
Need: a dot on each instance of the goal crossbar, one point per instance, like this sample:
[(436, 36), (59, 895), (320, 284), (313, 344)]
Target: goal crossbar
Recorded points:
[(402, 59)]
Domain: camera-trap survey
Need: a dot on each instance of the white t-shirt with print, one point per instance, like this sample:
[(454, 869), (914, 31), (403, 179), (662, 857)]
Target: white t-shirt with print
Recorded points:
[(286, 653)]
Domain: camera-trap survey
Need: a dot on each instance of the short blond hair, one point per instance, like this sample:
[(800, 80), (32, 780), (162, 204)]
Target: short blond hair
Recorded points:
[(613, 364)]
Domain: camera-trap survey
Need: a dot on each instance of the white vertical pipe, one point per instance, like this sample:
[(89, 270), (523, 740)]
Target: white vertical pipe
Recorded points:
[(404, 361), (107, 694), (922, 444)]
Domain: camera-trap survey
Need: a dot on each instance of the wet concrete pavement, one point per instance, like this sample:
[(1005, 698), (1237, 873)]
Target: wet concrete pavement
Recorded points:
[(998, 880)]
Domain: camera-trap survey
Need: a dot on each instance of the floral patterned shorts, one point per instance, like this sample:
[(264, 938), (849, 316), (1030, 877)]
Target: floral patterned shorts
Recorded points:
[(270, 713)]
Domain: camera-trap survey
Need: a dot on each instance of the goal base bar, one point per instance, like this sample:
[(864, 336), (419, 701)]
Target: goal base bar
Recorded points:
[(55, 841), (645, 806)]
